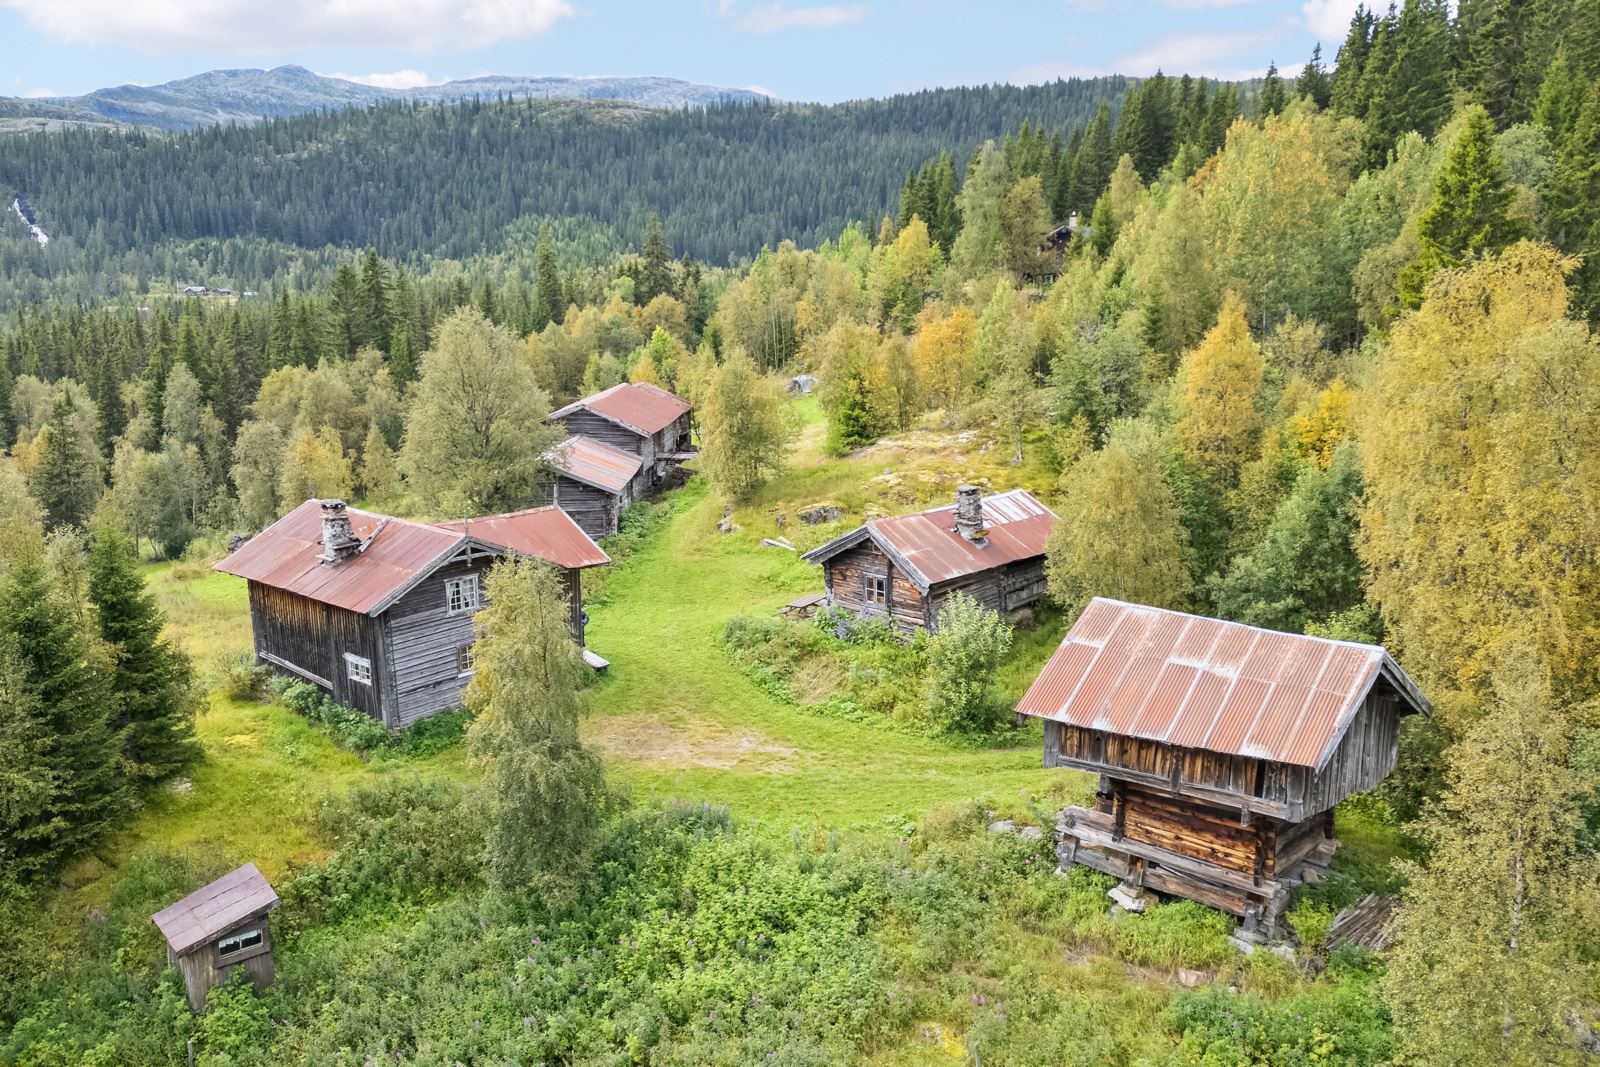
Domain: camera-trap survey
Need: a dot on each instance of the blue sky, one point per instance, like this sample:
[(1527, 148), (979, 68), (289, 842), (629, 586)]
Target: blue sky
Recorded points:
[(795, 49)]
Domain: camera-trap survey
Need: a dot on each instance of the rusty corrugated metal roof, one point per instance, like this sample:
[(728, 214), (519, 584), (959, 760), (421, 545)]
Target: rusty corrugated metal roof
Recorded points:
[(595, 463), (1196, 682), (547, 533), (286, 555), (213, 909), (928, 548), (639, 406)]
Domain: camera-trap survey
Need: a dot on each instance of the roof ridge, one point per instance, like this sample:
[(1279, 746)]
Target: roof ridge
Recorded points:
[(1248, 626)]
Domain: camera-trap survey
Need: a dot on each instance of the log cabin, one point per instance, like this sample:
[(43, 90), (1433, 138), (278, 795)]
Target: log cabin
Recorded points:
[(902, 568), (1221, 751), (594, 482), (635, 417), (218, 929), (378, 611)]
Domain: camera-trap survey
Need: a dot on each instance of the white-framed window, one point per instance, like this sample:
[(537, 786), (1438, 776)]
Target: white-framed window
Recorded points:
[(237, 943), (359, 668), (461, 594), (464, 659), (877, 591)]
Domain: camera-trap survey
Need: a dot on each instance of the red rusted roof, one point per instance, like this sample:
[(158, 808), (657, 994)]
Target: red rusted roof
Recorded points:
[(1195, 682), (927, 547), (639, 406), (595, 463), (546, 533), (286, 555), (214, 909)]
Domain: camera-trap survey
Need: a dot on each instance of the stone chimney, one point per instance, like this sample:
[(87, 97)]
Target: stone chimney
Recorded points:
[(969, 512), (339, 540)]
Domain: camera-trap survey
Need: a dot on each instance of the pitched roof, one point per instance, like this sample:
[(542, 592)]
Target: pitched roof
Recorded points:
[(547, 533), (595, 463), (927, 547), (214, 909), (639, 406), (286, 555), (1225, 687), (399, 553)]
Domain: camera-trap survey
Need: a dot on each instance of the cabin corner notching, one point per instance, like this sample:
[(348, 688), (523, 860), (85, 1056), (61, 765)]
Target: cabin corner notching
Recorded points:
[(1221, 750)]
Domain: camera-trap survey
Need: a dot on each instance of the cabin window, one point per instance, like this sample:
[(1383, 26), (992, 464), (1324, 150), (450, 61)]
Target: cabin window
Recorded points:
[(464, 659), (359, 668), (877, 589), (232, 946), (461, 594)]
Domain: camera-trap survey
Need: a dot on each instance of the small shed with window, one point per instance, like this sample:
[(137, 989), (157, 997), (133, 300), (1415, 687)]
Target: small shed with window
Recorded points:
[(218, 929), (378, 611)]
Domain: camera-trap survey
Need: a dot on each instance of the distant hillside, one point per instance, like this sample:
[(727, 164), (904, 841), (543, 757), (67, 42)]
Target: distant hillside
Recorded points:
[(244, 96)]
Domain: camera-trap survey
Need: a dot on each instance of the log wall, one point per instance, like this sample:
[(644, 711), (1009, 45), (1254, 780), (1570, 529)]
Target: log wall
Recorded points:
[(846, 577), (308, 639), (594, 510)]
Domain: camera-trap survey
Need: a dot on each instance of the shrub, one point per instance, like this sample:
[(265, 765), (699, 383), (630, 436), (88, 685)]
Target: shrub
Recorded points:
[(239, 676), (430, 736), (235, 1021), (350, 729), (962, 658)]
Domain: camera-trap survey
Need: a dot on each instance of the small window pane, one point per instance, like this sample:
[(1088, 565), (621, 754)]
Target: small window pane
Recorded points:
[(359, 669), (877, 590), (461, 594), (464, 659)]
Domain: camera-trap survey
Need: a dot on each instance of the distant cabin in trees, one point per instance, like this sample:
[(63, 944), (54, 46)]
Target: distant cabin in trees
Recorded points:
[(635, 417), (218, 929), (1221, 749), (378, 611), (903, 568)]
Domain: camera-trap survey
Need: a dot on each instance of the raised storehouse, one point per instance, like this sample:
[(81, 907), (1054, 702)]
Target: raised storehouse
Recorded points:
[(902, 568), (1222, 750), (594, 482), (635, 417), (378, 611), (218, 929)]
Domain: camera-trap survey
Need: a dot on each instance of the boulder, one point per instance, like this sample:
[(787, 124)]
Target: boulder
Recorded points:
[(817, 514)]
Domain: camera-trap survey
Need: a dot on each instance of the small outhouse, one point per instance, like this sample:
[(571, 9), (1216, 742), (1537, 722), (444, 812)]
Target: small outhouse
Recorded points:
[(219, 928)]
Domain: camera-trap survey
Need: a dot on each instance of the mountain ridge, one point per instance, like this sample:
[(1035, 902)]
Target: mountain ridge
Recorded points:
[(244, 95)]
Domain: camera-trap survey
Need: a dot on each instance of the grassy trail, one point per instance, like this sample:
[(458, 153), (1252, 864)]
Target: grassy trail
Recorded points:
[(676, 719)]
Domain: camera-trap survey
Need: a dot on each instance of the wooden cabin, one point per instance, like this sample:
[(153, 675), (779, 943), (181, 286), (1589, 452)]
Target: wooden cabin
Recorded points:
[(218, 929), (378, 611), (635, 417), (1221, 748), (903, 568), (594, 482)]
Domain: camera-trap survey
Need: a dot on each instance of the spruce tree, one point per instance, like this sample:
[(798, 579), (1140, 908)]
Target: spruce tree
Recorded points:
[(66, 477), (151, 678), (1092, 165), (1350, 65), (373, 299), (655, 270), (548, 304), (80, 752), (1314, 82), (1273, 95), (1470, 213)]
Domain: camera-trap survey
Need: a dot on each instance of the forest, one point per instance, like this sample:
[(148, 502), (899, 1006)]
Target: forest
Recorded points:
[(1320, 357)]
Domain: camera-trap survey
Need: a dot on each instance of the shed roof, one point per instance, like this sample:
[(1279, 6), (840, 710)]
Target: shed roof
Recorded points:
[(547, 533), (595, 463), (1196, 682), (644, 408), (928, 548), (214, 909), (399, 552)]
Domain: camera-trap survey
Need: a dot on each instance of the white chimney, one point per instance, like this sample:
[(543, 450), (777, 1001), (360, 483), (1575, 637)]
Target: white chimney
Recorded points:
[(339, 540), (969, 512)]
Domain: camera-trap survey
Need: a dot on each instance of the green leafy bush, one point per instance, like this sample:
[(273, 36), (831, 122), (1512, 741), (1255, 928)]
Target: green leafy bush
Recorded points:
[(350, 729), (1339, 1026), (239, 676), (962, 658)]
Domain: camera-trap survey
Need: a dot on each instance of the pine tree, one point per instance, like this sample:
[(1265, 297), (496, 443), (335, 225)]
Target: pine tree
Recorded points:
[(548, 302), (375, 323), (1091, 166), (1273, 95), (151, 680), (80, 751), (655, 271), (1314, 82), (1350, 65), (544, 790), (1572, 207), (1470, 214)]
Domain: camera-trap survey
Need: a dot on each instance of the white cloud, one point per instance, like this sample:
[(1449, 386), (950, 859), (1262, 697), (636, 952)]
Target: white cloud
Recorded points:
[(1329, 19), (775, 17), (253, 26), (392, 79), (763, 90), (1203, 5), (35, 94), (1084, 7), (1199, 52)]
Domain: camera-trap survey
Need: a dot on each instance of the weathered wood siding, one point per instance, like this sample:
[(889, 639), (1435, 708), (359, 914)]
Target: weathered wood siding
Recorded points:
[(425, 642), (1213, 835), (846, 577), (1003, 589), (1366, 754), (308, 639), (203, 969), (588, 424), (594, 510)]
